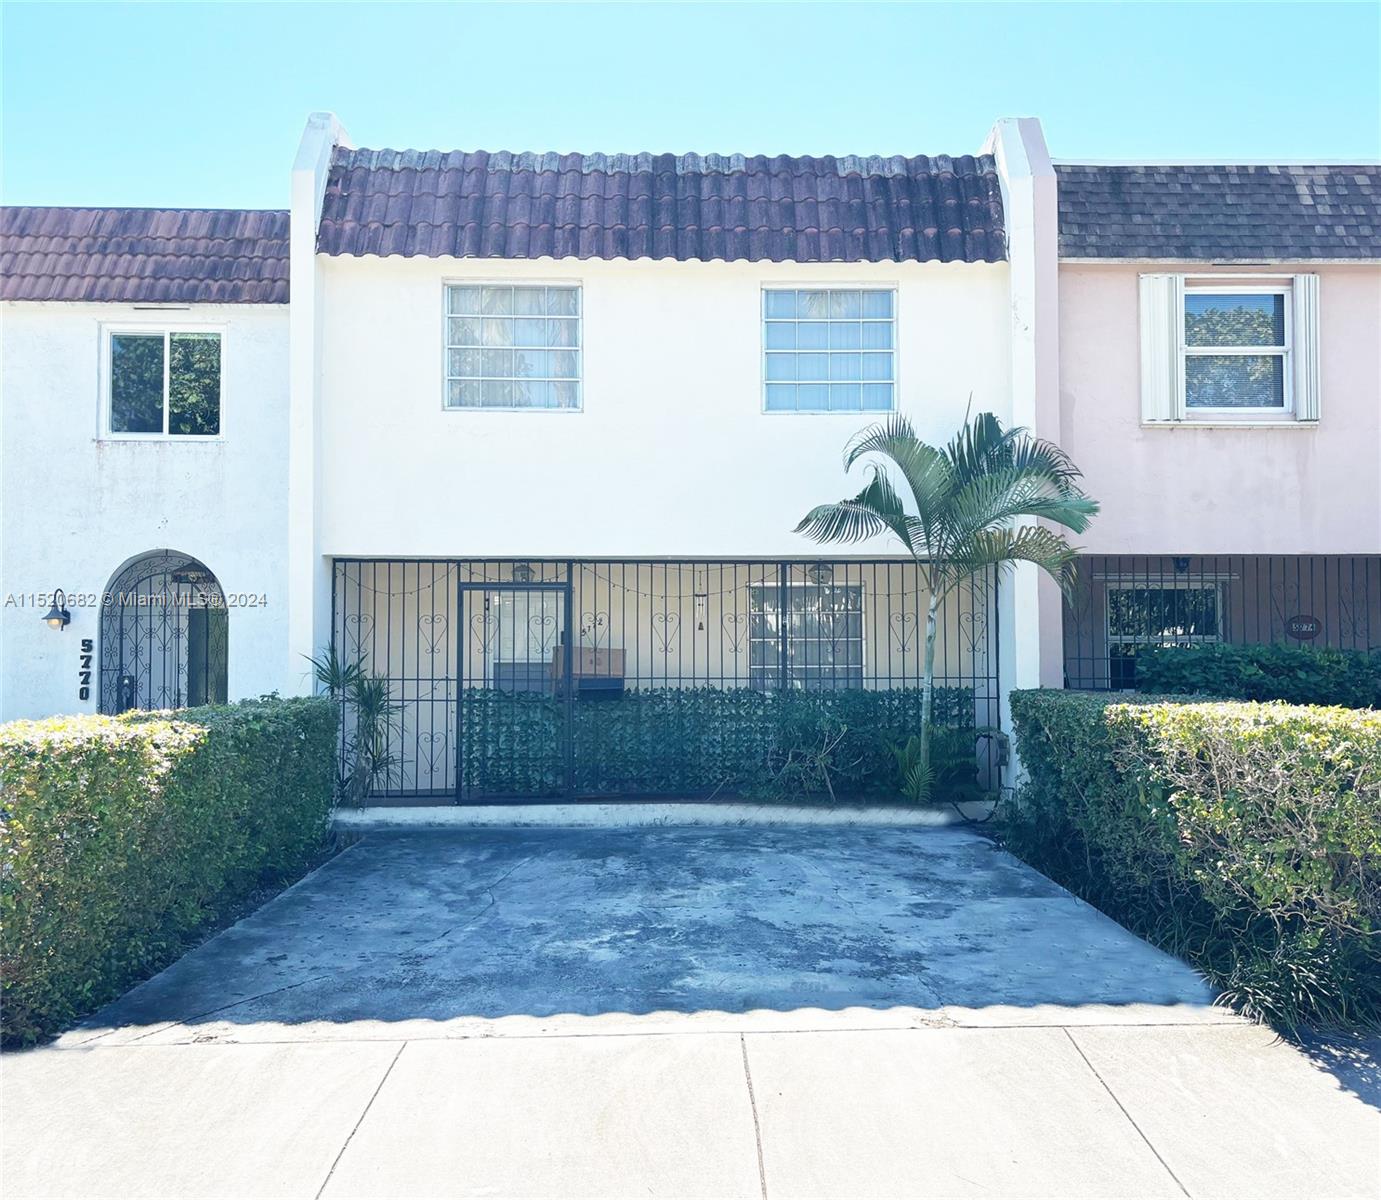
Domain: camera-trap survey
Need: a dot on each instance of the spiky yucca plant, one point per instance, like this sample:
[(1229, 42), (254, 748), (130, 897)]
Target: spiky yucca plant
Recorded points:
[(959, 509), (367, 700)]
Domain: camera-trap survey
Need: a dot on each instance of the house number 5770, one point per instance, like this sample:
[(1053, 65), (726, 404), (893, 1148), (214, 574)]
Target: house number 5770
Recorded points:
[(84, 673)]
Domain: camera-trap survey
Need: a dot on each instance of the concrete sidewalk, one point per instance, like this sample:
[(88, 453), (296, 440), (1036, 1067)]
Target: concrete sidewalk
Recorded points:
[(680, 1013)]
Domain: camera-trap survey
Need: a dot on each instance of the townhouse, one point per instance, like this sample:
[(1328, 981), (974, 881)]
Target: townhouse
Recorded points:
[(532, 433), (144, 368), (1220, 386)]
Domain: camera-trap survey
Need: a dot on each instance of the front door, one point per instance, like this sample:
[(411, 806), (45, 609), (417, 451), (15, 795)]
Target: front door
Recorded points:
[(514, 735)]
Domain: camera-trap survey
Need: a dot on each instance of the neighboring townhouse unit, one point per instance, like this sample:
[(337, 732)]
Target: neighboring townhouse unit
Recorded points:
[(1220, 386), (144, 359), (532, 437)]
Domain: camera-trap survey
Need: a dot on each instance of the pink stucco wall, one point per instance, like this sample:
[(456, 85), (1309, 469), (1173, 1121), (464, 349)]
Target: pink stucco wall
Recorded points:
[(1186, 490)]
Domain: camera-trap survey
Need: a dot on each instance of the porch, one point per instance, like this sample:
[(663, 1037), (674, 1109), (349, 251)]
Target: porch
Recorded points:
[(558, 678), (1125, 604)]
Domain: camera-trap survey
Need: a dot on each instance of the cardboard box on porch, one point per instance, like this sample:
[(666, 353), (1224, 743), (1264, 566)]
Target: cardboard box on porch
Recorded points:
[(589, 663)]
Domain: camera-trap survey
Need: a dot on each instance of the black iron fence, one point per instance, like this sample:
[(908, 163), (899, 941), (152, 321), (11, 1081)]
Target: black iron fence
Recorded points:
[(566, 677), (1123, 604)]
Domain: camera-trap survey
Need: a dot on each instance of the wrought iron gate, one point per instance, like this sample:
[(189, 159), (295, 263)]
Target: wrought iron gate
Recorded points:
[(554, 678), (515, 715), (164, 635)]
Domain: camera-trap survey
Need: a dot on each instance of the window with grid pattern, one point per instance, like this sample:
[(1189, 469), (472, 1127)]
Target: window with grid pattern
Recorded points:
[(821, 633), (829, 349), (513, 346)]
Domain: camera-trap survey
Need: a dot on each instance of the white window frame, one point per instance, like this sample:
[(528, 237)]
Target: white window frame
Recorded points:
[(774, 587), (1285, 352), (815, 286), (1161, 319), (106, 376), (579, 347)]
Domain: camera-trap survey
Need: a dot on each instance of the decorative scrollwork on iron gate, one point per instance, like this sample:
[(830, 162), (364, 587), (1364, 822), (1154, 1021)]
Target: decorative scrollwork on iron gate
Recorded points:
[(164, 635)]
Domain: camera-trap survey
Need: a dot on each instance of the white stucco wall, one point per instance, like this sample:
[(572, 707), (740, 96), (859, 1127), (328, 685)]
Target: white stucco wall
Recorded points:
[(671, 456), (1030, 633), (76, 507), (1187, 490)]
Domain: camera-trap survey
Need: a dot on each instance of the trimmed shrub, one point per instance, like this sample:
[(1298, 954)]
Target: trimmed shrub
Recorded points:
[(691, 741), (1245, 837), (1297, 674), (123, 837)]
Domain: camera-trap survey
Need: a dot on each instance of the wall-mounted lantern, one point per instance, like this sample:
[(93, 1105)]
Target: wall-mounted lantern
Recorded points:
[(58, 617)]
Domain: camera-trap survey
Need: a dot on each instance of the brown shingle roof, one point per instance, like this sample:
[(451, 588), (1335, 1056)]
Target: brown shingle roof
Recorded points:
[(184, 255), (501, 205), (1223, 214)]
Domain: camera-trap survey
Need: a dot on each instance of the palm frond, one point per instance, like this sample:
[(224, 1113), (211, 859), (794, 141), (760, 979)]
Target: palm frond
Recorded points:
[(1000, 548), (1036, 455), (971, 501), (845, 521), (920, 463), (983, 446), (883, 438), (876, 509), (924, 469), (1005, 495)]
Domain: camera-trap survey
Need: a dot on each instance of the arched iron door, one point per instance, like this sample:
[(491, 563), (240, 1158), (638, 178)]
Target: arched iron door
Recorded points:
[(164, 635)]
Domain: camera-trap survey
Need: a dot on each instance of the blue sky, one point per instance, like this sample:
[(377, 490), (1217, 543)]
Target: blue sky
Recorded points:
[(202, 104)]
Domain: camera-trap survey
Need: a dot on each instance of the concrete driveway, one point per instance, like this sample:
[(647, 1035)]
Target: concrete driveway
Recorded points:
[(726, 1012)]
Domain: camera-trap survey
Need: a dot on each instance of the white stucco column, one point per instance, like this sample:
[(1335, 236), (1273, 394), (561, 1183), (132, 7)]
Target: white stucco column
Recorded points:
[(309, 574), (1031, 641)]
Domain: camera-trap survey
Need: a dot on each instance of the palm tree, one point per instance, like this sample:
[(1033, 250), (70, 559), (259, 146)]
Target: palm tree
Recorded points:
[(961, 513)]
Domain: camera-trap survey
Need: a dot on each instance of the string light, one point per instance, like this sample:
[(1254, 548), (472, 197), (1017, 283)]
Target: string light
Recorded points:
[(769, 578)]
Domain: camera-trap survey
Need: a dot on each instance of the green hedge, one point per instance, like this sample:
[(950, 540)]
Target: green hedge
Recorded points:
[(1244, 836), (122, 837), (1297, 674), (690, 741)]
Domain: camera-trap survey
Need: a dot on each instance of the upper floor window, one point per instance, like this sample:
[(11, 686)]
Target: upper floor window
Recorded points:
[(164, 382), (829, 349), (513, 346), (1229, 349), (1235, 350)]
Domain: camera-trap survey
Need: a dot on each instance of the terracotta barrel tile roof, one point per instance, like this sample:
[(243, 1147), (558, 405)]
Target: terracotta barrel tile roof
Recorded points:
[(727, 207), (144, 255), (1224, 214)]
